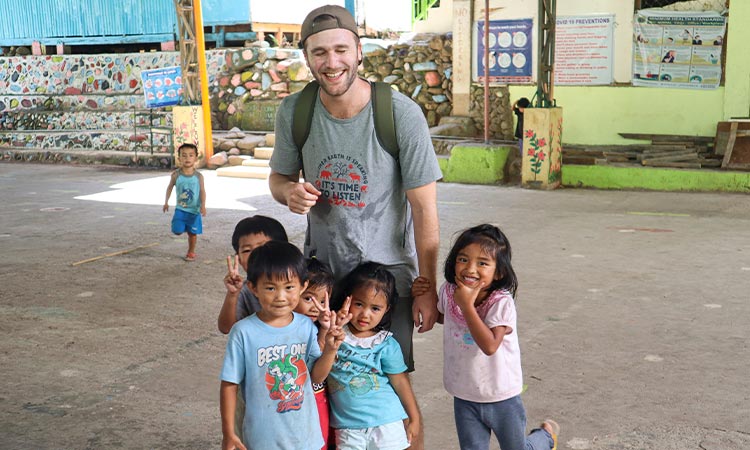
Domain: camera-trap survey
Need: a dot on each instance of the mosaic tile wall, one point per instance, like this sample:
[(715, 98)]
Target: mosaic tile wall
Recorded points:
[(84, 82)]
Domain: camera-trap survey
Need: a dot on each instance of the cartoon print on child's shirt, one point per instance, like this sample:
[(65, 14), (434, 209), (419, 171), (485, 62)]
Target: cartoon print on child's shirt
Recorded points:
[(342, 181), (362, 380), (285, 376), (185, 198)]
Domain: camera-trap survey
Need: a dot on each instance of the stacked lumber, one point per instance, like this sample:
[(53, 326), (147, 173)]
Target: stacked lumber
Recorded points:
[(686, 152)]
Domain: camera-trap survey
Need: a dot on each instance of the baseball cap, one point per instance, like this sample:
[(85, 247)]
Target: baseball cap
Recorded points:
[(336, 17)]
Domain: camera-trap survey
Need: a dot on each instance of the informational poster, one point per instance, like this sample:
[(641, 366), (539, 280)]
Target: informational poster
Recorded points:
[(162, 87), (678, 49), (584, 50), (510, 58)]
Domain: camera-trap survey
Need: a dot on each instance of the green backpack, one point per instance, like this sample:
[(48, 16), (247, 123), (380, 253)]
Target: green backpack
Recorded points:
[(382, 109)]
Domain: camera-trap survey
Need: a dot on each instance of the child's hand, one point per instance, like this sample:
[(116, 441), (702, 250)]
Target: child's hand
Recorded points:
[(233, 280), (465, 296), (420, 286), (203, 211), (325, 315), (334, 338), (343, 316), (232, 442), (413, 429), (165, 208)]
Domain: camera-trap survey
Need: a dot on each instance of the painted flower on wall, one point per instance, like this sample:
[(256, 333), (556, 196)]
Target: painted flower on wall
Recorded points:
[(536, 151)]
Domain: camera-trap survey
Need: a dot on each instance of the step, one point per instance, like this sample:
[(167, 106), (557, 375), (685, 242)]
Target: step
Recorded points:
[(263, 152), (244, 172), (270, 139), (255, 162)]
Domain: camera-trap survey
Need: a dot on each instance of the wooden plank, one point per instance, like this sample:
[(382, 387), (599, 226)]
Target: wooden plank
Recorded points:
[(666, 137), (675, 165), (730, 144), (680, 158)]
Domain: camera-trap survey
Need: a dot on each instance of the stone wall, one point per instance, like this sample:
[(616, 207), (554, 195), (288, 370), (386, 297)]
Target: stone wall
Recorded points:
[(247, 94), (501, 116), (420, 69)]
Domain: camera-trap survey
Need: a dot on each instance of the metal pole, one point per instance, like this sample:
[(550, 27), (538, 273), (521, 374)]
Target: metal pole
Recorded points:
[(205, 103), (486, 72)]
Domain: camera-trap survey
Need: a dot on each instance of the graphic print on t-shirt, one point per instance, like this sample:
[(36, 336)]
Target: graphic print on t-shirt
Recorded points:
[(286, 375), (185, 198), (342, 181)]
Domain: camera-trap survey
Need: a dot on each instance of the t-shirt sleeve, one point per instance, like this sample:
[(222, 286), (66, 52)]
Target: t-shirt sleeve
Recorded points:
[(233, 369), (247, 304), (391, 357), (502, 314), (285, 158), (313, 349), (442, 298), (419, 165)]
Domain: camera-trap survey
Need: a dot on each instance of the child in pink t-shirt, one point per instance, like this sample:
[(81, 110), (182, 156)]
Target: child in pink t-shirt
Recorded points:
[(482, 359)]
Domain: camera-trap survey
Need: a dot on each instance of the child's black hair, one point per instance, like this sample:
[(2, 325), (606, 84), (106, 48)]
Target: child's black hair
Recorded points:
[(523, 102), (276, 260), (368, 274), (187, 145), (492, 241), (319, 275), (258, 225)]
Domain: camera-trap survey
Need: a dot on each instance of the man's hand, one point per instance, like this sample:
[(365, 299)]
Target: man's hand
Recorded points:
[(424, 310), (301, 197)]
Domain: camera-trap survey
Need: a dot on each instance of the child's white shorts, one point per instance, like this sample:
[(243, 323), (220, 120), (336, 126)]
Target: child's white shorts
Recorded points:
[(391, 436)]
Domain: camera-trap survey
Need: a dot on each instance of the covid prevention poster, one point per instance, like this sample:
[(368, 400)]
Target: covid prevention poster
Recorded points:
[(510, 58), (678, 49), (584, 50)]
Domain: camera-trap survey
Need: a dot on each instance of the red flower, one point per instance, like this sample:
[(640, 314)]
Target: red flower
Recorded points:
[(529, 133), (540, 155), (531, 152), (542, 142)]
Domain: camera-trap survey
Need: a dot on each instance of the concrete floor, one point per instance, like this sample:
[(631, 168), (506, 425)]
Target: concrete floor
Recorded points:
[(633, 311)]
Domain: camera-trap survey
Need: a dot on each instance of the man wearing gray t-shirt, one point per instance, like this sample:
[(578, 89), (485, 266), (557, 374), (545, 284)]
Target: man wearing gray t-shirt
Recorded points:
[(362, 204)]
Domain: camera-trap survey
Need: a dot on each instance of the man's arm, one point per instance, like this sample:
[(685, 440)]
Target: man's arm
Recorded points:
[(423, 201), (287, 190)]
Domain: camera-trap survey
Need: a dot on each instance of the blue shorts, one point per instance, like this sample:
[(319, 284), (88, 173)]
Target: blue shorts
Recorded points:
[(183, 221)]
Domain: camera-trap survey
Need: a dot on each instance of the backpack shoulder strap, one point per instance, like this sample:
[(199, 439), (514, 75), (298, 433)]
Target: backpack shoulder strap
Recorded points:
[(385, 123), (303, 114)]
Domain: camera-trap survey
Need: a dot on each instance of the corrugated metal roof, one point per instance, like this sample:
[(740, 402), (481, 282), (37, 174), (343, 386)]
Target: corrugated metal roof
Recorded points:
[(39, 19)]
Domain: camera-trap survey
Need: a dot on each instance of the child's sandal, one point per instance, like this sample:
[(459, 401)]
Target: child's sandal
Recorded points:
[(555, 431), (190, 257)]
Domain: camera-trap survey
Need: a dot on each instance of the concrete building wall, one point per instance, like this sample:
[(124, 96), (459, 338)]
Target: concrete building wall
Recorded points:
[(596, 114)]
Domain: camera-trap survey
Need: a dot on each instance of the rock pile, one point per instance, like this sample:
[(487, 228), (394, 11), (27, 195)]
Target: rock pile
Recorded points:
[(256, 73), (501, 116), (233, 147), (420, 69)]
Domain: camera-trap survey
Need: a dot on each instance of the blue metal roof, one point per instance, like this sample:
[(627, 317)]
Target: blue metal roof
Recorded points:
[(81, 22)]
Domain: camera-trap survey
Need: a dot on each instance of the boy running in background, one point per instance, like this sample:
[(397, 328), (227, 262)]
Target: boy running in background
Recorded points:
[(191, 198)]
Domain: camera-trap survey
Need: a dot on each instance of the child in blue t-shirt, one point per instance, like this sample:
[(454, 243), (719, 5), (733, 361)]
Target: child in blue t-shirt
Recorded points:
[(191, 198), (274, 355), (368, 387)]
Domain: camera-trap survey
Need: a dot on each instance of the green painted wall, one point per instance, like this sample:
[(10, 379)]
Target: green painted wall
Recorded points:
[(595, 114), (475, 164), (654, 179), (737, 98)]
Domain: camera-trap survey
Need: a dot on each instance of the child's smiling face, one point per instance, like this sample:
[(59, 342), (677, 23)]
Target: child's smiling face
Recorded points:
[(311, 295), (368, 306)]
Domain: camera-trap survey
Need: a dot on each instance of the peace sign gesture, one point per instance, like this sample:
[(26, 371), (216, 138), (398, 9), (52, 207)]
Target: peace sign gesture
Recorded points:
[(233, 280), (324, 311), (343, 316)]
